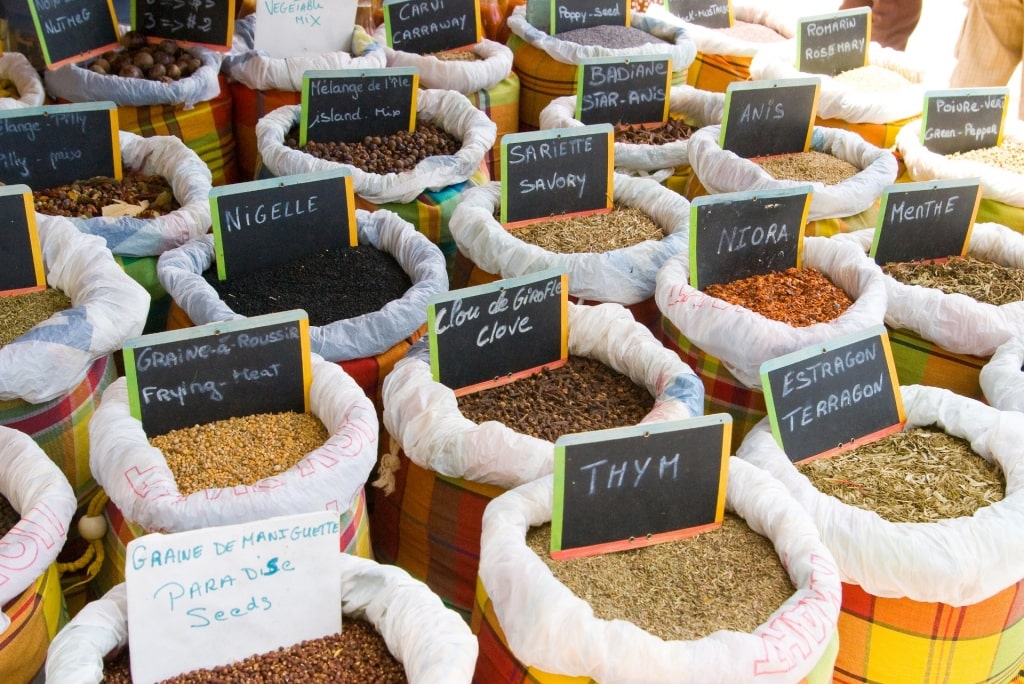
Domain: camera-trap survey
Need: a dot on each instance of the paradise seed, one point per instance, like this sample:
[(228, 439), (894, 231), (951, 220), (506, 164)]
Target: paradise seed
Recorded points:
[(21, 312), (797, 296), (808, 166)]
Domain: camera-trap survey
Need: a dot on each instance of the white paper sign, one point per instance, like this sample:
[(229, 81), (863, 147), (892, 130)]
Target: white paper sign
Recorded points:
[(214, 596), (293, 28)]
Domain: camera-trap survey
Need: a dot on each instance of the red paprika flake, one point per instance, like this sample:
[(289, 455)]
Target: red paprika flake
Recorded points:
[(797, 296)]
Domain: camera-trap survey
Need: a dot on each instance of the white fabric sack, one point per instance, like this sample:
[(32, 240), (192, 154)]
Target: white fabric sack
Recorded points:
[(76, 83), (697, 108), (743, 339), (180, 271), (16, 68), (679, 46), (492, 66), (623, 276), (257, 70), (108, 307), (191, 182), (386, 596), (136, 478), (996, 184), (715, 42), (40, 492), (1002, 378), (449, 110), (424, 418), (723, 171), (838, 100), (550, 628), (958, 561), (956, 322)]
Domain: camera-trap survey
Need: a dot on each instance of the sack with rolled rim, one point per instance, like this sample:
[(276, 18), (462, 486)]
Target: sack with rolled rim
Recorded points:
[(1002, 378)]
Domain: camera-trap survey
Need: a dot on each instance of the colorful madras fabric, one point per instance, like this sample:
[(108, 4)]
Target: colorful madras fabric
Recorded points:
[(60, 426), (143, 271), (35, 615), (991, 211), (900, 641), (919, 362), (501, 105), (430, 526), (878, 134), (369, 373), (248, 107), (714, 73)]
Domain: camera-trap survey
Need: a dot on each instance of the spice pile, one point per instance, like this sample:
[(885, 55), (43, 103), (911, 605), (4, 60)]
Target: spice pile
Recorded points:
[(873, 79), (751, 32), (729, 578), (637, 134), (20, 313), (8, 516), (383, 154), (139, 195), (610, 36), (921, 475), (455, 56), (593, 233), (164, 62), (984, 281), (797, 296), (1009, 156), (810, 166)]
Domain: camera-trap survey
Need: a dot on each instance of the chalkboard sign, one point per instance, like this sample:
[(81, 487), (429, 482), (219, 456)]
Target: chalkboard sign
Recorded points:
[(763, 118), (833, 396), (21, 259), (426, 26), (220, 370), (833, 43), (630, 487), (963, 119), (556, 173), (483, 335), (741, 234), (73, 30), (210, 23), (569, 15), (264, 223), (346, 105), (44, 147), (926, 220), (713, 14), (619, 91)]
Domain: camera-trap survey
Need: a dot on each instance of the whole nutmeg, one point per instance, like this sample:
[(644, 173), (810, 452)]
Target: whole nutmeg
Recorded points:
[(99, 69), (155, 72), (161, 57), (172, 71), (131, 71), (119, 61), (168, 46), (143, 60), (194, 64), (133, 40), (109, 55), (102, 64)]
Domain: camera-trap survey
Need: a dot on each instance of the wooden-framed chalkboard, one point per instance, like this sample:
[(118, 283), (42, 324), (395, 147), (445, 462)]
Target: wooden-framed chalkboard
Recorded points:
[(489, 334), (220, 370), (44, 147), (556, 173), (427, 26), (569, 15), (764, 118), (264, 223), (623, 90), (926, 220), (833, 396), (21, 258), (346, 105), (73, 30), (210, 23), (833, 43), (715, 14), (736, 235), (963, 119), (629, 487)]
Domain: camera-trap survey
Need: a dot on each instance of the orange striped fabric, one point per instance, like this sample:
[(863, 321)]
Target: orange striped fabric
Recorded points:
[(36, 615)]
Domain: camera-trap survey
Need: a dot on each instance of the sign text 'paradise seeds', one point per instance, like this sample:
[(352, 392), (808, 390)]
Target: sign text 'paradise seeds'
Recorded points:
[(764, 118), (346, 105), (426, 26), (21, 259), (623, 90), (963, 119)]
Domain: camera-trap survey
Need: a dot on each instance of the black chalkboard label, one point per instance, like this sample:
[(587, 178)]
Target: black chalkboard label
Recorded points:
[(210, 23), (763, 118), (620, 91), (741, 234), (21, 259), (635, 486), (44, 147), (426, 26), (833, 396), (489, 334), (220, 370), (347, 105), (926, 220), (556, 173), (264, 223), (963, 119), (833, 43), (713, 14), (569, 15), (73, 30)]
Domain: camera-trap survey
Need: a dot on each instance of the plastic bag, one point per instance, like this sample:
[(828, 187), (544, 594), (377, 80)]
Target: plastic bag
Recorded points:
[(423, 415), (623, 276), (743, 339), (181, 273), (16, 68), (447, 109), (493, 64), (136, 477), (1002, 378), (108, 308), (398, 607), (551, 629)]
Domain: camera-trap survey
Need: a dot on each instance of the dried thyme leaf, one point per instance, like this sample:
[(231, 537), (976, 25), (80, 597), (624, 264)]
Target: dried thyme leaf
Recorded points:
[(19, 313), (985, 281), (621, 227)]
